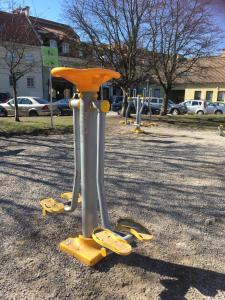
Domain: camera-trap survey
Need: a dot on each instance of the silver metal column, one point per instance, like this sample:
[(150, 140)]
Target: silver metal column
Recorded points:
[(100, 169), (88, 149), (77, 169), (127, 111), (138, 111)]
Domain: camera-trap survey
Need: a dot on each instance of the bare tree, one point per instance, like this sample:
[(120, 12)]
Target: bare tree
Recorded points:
[(115, 30), (180, 33), (15, 37)]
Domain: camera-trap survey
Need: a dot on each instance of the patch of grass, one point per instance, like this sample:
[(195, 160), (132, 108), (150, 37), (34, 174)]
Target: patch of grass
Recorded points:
[(193, 121), (35, 125)]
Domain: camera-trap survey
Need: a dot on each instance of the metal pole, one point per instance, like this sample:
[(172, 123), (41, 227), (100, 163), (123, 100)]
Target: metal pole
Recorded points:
[(149, 105), (100, 169), (77, 169), (50, 87), (88, 150), (138, 112)]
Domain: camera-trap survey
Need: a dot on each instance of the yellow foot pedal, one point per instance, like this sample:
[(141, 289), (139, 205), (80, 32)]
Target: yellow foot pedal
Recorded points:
[(68, 196), (138, 130), (86, 250), (49, 205), (111, 241), (134, 228)]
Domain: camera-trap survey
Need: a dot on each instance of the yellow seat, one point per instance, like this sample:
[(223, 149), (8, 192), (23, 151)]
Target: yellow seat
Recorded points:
[(68, 196), (134, 228), (111, 241), (86, 80), (49, 205)]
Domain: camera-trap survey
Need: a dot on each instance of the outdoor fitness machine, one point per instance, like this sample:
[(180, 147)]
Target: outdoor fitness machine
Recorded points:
[(88, 185), (139, 102)]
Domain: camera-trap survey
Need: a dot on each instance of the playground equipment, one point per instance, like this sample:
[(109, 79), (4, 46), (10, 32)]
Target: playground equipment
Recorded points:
[(139, 103), (88, 185), (221, 130)]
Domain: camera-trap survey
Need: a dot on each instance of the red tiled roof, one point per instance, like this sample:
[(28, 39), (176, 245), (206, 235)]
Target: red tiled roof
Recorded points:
[(16, 28), (53, 29)]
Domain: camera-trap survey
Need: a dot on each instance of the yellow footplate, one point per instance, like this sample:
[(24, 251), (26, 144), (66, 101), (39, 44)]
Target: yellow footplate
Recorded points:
[(68, 196), (49, 205), (84, 249), (111, 241), (134, 228)]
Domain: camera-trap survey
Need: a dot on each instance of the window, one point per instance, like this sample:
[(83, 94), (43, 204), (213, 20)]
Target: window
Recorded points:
[(29, 57), (188, 103), (160, 101), (154, 101), (65, 48), (30, 82), (194, 103), (209, 95), (197, 95), (221, 96), (80, 53), (40, 100), (25, 101), (1, 27), (12, 102), (53, 44)]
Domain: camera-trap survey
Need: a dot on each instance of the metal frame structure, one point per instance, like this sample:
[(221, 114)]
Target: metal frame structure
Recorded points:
[(89, 147)]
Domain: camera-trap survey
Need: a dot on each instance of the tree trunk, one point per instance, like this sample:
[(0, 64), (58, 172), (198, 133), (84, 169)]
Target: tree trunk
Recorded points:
[(17, 119), (163, 110), (125, 103)]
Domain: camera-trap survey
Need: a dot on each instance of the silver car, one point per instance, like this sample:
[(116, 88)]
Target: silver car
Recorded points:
[(202, 107), (29, 106)]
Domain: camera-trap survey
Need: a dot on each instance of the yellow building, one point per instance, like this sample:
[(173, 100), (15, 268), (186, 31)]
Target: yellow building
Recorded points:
[(206, 82)]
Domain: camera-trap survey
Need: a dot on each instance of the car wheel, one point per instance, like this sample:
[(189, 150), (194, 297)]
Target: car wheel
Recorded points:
[(60, 112), (218, 112), (175, 111), (33, 113), (200, 112)]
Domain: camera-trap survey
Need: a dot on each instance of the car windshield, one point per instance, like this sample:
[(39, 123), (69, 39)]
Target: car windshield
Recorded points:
[(170, 102), (41, 101)]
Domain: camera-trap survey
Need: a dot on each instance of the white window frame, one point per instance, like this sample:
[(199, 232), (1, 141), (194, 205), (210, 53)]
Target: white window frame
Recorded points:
[(65, 48), (53, 43), (29, 57), (30, 82)]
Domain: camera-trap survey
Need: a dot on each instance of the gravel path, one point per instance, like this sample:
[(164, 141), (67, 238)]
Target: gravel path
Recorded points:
[(172, 180)]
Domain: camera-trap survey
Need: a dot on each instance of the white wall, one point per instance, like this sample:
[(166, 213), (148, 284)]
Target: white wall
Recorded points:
[(22, 88)]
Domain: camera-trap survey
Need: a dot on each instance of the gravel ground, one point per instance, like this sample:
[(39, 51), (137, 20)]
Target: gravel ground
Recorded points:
[(170, 179)]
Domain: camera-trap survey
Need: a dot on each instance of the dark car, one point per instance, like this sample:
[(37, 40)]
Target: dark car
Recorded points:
[(117, 107), (4, 97), (2, 112), (176, 109), (63, 106), (117, 103), (172, 108)]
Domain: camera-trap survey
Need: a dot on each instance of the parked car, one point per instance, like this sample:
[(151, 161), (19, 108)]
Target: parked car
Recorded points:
[(4, 97), (202, 107), (118, 102), (29, 106), (173, 108), (2, 111), (63, 106)]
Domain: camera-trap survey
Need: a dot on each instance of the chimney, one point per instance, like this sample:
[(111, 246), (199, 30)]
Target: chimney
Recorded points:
[(26, 10)]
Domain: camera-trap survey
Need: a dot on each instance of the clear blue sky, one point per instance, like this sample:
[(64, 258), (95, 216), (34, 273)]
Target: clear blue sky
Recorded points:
[(51, 9), (46, 9)]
